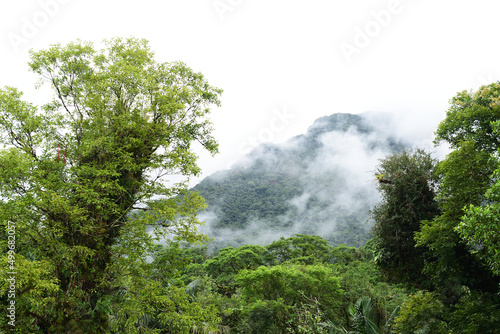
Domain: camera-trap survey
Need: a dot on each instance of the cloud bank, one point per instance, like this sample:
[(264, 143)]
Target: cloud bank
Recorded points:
[(330, 170)]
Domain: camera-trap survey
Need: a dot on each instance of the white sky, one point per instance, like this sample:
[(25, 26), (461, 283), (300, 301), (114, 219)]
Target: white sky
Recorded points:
[(281, 56)]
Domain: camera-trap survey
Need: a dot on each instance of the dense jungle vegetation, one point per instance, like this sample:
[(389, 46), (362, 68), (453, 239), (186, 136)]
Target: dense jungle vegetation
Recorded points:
[(94, 242)]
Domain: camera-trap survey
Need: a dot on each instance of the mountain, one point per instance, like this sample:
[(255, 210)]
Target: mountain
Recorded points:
[(318, 183)]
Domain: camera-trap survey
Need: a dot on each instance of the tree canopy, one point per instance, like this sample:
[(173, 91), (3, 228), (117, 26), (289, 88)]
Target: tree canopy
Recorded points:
[(407, 183), (465, 176), (76, 172)]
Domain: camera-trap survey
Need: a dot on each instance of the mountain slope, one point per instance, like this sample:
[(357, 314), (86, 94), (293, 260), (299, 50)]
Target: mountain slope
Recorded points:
[(317, 183)]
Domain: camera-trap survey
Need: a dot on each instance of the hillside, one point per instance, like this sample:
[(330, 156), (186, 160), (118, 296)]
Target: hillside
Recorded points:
[(319, 183)]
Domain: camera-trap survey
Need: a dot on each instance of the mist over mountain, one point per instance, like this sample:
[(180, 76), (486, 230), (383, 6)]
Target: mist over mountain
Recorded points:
[(318, 183)]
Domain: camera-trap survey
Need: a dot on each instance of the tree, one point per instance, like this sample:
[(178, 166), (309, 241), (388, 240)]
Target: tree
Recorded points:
[(74, 174), (289, 298), (408, 197), (229, 262), (422, 313), (479, 226), (465, 175), (301, 248), (470, 118)]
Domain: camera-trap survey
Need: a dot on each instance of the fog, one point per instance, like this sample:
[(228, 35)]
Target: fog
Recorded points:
[(338, 186)]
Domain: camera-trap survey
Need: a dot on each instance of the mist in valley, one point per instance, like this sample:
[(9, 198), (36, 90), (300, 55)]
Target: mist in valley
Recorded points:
[(321, 182)]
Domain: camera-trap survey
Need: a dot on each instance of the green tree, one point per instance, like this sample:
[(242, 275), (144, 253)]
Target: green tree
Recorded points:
[(289, 298), (471, 117), (422, 313), (73, 171), (364, 318), (301, 248), (461, 240), (479, 228), (465, 175), (476, 312), (360, 279), (229, 262), (407, 185)]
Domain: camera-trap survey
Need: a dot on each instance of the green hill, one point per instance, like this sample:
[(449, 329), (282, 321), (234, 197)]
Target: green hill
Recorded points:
[(317, 183)]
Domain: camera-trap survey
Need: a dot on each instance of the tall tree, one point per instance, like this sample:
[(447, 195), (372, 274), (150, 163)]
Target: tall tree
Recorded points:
[(407, 184), (465, 175), (479, 227), (73, 173)]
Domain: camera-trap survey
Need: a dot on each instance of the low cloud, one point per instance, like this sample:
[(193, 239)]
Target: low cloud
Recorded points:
[(334, 165)]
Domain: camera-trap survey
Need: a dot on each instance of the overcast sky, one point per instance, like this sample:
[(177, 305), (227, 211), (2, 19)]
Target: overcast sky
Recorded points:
[(281, 63)]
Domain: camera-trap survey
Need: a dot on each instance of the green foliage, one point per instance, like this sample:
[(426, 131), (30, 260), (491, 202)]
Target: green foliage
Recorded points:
[(465, 174), (476, 313), (364, 318), (297, 288), (73, 172), (301, 248), (408, 197), (229, 262), (296, 285), (177, 260), (256, 193), (83, 206), (479, 227), (292, 283), (470, 118), (462, 239), (345, 255), (170, 310), (36, 290), (458, 247), (422, 313), (362, 279), (265, 316)]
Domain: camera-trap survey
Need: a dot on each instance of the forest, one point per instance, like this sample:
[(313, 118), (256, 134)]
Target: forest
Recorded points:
[(95, 239), (315, 183)]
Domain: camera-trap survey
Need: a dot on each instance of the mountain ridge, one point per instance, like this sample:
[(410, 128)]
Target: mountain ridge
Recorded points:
[(314, 183)]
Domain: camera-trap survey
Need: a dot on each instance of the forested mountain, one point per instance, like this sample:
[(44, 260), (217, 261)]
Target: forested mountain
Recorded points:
[(318, 183)]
